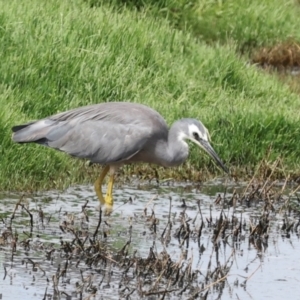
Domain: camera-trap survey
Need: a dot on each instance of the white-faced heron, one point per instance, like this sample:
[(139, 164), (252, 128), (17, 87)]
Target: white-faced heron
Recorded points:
[(114, 134)]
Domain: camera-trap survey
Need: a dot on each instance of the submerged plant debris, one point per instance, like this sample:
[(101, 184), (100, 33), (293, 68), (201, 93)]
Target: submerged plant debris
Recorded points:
[(183, 243)]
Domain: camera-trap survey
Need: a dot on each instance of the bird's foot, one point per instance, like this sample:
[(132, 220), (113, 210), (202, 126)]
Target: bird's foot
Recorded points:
[(108, 210), (109, 204)]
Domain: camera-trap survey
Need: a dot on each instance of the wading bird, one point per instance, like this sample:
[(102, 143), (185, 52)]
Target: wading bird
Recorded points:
[(114, 134)]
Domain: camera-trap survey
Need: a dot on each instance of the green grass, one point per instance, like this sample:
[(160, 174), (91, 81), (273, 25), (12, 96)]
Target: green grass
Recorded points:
[(250, 23), (57, 55)]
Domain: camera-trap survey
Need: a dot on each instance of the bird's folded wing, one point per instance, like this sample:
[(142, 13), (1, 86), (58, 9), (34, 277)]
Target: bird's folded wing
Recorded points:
[(101, 142)]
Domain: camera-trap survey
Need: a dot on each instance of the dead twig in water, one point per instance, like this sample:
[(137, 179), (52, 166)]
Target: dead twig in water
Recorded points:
[(98, 225), (30, 214), (16, 207), (160, 292)]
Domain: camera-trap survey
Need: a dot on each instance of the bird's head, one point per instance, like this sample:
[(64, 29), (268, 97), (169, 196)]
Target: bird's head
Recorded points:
[(196, 132)]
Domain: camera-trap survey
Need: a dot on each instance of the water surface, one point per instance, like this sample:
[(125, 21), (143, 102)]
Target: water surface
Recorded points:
[(269, 272)]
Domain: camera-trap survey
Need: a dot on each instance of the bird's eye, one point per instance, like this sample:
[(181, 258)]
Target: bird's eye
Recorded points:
[(196, 135)]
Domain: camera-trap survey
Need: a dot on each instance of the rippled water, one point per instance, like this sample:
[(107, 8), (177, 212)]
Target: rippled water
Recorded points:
[(274, 272)]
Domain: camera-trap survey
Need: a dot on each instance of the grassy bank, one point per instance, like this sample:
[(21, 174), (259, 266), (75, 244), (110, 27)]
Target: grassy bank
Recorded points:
[(57, 55), (251, 23)]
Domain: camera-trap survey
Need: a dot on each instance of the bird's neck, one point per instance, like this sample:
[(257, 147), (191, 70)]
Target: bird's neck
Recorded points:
[(177, 149)]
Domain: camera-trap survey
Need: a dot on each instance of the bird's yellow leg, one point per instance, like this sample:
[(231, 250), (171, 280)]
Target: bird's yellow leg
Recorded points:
[(98, 185), (109, 202)]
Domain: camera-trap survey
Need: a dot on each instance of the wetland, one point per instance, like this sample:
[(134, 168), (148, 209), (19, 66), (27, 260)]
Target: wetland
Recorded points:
[(218, 240)]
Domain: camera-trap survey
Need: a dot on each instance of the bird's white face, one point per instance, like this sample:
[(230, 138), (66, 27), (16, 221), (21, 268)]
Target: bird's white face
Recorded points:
[(195, 134), (201, 137)]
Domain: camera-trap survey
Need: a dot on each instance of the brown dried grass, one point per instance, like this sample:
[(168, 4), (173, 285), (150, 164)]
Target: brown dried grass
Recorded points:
[(281, 56), (284, 58)]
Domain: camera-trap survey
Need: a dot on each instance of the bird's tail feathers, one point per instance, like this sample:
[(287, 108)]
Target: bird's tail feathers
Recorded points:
[(33, 132)]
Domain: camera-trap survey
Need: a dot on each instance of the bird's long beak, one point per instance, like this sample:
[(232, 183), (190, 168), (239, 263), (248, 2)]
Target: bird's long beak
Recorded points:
[(210, 150)]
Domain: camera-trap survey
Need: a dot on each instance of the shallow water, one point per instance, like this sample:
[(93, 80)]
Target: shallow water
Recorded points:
[(274, 271)]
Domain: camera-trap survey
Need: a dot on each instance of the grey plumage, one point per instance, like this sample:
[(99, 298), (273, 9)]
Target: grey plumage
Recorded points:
[(113, 133)]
